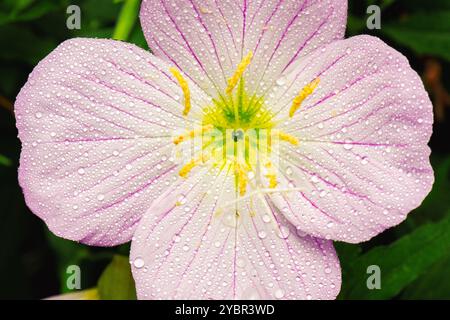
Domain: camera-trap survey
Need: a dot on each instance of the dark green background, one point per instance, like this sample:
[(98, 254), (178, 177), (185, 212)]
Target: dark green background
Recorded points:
[(414, 257)]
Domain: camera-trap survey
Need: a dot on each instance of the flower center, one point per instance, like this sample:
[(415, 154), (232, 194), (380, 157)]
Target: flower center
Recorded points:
[(238, 132)]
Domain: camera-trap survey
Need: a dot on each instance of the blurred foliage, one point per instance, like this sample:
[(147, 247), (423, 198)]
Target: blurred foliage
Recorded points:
[(116, 282), (414, 257), (400, 262)]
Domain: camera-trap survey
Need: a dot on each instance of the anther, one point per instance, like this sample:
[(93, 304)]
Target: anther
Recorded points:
[(232, 82), (193, 133), (271, 175), (303, 94), (288, 138), (241, 174), (191, 164), (185, 88)]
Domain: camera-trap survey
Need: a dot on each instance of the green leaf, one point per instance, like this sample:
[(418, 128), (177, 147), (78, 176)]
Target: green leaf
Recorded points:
[(24, 44), (116, 282), (25, 10), (400, 262), (4, 161), (430, 286), (68, 253), (355, 25), (436, 204), (347, 253), (424, 33), (424, 6)]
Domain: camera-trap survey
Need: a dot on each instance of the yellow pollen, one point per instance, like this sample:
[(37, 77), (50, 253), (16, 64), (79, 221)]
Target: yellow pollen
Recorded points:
[(185, 88), (193, 133), (271, 175), (241, 174), (232, 82), (191, 164), (288, 138), (303, 94)]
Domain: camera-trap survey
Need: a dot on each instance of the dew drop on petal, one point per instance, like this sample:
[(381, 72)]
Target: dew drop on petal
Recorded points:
[(251, 294), (279, 294), (348, 145), (262, 234), (283, 232), (281, 82), (138, 262)]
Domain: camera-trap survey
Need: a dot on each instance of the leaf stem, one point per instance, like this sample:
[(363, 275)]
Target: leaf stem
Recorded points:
[(127, 18)]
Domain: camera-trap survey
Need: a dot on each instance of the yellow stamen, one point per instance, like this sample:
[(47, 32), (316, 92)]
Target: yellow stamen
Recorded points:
[(271, 175), (241, 175), (288, 138), (232, 82), (185, 88), (191, 134), (303, 94), (191, 164)]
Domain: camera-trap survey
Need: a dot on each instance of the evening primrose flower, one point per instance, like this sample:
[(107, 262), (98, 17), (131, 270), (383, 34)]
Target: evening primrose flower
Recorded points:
[(232, 157)]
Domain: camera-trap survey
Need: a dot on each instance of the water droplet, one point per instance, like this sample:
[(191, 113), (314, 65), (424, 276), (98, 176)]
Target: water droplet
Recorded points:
[(301, 233), (283, 232), (289, 171), (240, 262), (138, 263), (348, 145), (231, 220), (281, 81), (81, 171), (266, 218), (100, 197), (38, 115), (279, 294), (262, 234), (251, 294)]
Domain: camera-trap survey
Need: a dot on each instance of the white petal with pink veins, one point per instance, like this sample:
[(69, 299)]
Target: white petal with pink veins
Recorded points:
[(202, 249), (95, 120), (208, 39), (363, 161)]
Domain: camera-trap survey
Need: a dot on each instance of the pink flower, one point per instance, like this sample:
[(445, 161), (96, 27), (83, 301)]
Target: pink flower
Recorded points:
[(107, 132)]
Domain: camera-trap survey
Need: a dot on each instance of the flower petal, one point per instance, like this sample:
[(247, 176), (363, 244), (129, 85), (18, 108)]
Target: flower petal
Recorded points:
[(208, 39), (363, 161), (95, 120), (202, 249)]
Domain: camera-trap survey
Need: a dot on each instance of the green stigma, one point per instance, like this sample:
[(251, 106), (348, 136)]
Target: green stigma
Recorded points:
[(238, 111)]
